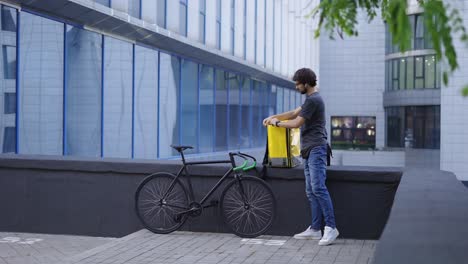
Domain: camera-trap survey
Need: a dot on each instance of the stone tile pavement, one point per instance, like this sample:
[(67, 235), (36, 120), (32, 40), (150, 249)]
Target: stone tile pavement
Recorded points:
[(144, 247), (27, 248)]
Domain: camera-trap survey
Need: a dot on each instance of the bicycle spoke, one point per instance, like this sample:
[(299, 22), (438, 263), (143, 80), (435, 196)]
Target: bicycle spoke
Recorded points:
[(248, 207)]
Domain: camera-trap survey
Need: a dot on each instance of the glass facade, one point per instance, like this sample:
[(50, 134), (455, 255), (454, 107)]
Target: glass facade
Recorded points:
[(353, 132), (419, 72), (83, 93), (413, 126), (420, 38), (86, 94), (41, 85), (8, 95)]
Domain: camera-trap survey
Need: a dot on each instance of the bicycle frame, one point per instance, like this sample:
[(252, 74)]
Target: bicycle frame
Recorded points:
[(188, 175)]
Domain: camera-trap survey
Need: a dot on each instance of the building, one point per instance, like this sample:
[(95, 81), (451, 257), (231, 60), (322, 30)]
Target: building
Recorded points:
[(128, 78), (380, 98)]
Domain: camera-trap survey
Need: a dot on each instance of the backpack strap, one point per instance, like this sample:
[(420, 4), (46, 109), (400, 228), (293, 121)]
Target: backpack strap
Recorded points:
[(329, 154), (263, 173)]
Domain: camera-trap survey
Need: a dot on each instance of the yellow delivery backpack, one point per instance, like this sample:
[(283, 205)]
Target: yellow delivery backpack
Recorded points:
[(283, 147)]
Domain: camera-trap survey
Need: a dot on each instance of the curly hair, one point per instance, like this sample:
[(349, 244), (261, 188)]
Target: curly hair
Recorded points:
[(305, 75)]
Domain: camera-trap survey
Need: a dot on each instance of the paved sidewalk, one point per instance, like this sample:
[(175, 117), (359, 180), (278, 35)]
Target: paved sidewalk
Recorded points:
[(144, 247), (26, 248)]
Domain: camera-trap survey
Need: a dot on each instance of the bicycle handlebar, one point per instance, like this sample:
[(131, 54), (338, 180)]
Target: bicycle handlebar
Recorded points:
[(244, 166)]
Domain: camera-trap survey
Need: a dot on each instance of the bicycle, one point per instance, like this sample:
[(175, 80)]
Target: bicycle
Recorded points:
[(247, 203)]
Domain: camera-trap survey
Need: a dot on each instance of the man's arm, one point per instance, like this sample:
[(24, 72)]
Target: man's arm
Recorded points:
[(295, 123), (283, 116)]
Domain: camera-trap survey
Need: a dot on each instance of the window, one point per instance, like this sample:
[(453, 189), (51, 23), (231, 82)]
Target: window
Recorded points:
[(161, 13), (8, 19), (353, 132), (207, 109), (244, 34), (146, 103), (41, 85), (419, 32), (221, 102), (202, 21), (9, 62), (10, 103), (246, 112), (103, 2), (134, 8), (189, 105), (9, 140), (83, 93), (420, 72), (232, 25), (169, 88), (117, 99), (218, 24), (234, 111), (413, 126), (183, 18)]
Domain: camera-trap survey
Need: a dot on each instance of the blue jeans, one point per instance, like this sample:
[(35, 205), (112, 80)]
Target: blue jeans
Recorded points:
[(315, 171)]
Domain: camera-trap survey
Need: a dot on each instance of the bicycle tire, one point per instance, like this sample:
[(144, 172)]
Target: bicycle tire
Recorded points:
[(250, 220), (153, 214)]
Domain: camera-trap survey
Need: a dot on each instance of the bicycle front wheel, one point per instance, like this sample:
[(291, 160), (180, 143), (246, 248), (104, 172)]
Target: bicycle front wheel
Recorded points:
[(158, 206), (248, 206)]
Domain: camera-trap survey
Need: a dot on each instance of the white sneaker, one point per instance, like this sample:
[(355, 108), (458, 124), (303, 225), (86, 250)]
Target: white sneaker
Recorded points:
[(309, 233), (329, 236)]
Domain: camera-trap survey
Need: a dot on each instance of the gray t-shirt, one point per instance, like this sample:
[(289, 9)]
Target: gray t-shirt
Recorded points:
[(313, 132)]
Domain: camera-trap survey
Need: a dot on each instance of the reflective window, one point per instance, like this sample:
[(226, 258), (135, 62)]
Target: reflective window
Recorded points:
[(420, 37), (207, 114), (246, 112), (221, 110), (83, 92), (103, 2), (413, 127), (9, 62), (146, 104), (134, 8), (202, 21), (41, 73), (257, 113), (234, 111), (8, 79), (279, 100), (420, 72), (183, 17), (9, 104), (189, 105), (117, 98), (353, 132), (169, 85), (429, 72), (9, 140), (161, 13), (218, 24), (232, 25), (8, 19)]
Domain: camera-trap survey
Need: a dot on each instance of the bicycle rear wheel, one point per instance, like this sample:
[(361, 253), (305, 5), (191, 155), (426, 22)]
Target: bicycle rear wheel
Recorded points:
[(248, 206), (159, 207)]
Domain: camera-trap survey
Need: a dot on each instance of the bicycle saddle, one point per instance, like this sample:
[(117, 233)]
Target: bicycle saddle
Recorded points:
[(181, 148)]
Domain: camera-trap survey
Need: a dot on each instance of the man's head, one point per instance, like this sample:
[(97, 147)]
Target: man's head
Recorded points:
[(305, 79)]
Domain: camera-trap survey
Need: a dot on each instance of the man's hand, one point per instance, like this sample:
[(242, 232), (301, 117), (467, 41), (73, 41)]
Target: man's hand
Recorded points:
[(273, 121), (266, 121)]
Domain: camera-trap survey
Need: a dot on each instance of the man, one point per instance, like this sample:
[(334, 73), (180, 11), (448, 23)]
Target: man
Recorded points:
[(310, 117)]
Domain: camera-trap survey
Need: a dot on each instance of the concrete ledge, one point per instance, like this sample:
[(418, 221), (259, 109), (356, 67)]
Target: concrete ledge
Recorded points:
[(428, 221), (64, 195)]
